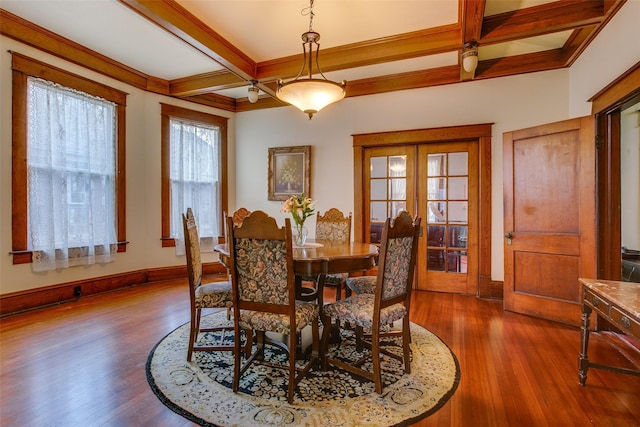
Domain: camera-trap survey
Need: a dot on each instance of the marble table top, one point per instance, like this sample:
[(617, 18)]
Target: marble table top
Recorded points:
[(625, 294)]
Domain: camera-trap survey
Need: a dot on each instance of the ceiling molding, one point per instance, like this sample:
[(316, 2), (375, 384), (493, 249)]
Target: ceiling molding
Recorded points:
[(585, 18)]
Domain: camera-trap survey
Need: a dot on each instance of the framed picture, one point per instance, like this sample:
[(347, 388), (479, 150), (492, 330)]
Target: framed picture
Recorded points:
[(289, 171)]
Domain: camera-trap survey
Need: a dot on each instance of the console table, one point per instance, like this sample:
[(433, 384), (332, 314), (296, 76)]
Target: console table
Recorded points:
[(617, 302)]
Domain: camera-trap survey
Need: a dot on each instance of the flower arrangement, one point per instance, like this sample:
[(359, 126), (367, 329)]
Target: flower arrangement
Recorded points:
[(300, 208)]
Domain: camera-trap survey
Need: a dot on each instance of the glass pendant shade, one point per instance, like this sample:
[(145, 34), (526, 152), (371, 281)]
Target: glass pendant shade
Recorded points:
[(254, 92), (470, 57), (311, 95), (470, 62)]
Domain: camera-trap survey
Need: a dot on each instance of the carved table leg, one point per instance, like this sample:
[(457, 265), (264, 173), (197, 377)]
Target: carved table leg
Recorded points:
[(584, 359)]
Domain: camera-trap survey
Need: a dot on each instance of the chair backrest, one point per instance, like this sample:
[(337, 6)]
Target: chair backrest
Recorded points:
[(333, 225), (397, 260), (239, 215), (192, 249), (261, 264)]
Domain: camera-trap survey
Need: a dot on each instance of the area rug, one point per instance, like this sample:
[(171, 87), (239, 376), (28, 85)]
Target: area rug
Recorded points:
[(200, 390)]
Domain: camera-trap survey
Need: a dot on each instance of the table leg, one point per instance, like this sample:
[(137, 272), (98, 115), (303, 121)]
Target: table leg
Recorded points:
[(583, 365)]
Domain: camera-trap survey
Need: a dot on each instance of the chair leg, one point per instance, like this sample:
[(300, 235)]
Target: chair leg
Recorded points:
[(324, 341), (237, 360), (359, 339), (248, 333), (292, 365), (193, 332), (375, 358), (406, 340)]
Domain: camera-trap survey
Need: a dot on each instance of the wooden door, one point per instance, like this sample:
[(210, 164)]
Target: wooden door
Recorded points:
[(549, 218), (448, 203)]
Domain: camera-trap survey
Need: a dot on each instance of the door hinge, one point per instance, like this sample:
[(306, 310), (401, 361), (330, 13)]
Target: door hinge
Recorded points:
[(599, 141)]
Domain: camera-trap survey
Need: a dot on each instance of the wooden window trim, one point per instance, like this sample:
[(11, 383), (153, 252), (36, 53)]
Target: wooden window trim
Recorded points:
[(23, 67), (168, 111)]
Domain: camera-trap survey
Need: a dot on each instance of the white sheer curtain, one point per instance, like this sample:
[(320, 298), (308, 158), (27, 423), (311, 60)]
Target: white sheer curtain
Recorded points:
[(71, 142), (195, 172)]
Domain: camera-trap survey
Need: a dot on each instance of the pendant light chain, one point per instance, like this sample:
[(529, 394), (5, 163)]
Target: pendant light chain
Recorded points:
[(309, 11)]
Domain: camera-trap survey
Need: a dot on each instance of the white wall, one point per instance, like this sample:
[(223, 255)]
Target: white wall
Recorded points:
[(143, 181), (510, 103), (614, 51)]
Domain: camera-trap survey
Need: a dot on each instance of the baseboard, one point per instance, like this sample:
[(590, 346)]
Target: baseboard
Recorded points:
[(492, 289), (17, 302)]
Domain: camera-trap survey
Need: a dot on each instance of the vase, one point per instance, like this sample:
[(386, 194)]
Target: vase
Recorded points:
[(299, 234)]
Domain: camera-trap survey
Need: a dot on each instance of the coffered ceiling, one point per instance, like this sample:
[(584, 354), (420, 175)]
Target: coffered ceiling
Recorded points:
[(209, 50)]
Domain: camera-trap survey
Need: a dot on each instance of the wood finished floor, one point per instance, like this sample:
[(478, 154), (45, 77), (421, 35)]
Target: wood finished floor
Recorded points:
[(83, 364)]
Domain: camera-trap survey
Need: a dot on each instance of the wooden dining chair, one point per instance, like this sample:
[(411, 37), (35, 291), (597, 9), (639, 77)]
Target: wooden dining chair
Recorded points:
[(332, 227), (263, 287), (389, 304), (238, 216), (204, 295)]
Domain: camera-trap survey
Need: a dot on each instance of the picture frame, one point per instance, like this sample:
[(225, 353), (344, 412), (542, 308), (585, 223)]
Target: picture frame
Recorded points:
[(289, 171)]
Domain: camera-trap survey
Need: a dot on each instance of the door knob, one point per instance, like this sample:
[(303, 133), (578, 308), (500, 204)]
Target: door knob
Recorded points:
[(509, 236)]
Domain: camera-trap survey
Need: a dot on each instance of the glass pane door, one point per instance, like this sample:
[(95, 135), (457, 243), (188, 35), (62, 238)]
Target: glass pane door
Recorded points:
[(447, 206), (390, 185), (446, 196)]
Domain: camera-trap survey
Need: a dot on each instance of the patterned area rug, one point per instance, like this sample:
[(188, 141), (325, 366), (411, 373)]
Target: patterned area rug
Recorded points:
[(201, 390)]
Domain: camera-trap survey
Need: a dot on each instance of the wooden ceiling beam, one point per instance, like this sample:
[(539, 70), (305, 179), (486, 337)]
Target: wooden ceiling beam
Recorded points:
[(370, 52), (204, 83), (539, 20), (213, 100), (521, 64), (410, 80), (177, 20), (471, 18)]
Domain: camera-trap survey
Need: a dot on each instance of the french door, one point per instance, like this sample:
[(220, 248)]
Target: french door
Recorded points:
[(447, 202), (439, 183)]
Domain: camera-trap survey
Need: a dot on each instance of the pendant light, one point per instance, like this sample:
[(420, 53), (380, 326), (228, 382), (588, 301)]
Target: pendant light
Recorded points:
[(309, 94), (254, 92), (470, 57)]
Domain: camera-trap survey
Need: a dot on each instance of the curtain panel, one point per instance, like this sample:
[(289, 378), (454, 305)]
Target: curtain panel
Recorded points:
[(71, 156), (195, 175)]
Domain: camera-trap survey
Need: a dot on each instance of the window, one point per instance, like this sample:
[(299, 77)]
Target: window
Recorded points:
[(193, 168), (68, 170)]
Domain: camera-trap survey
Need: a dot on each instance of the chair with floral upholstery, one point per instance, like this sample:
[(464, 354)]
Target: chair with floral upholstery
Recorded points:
[(204, 295), (238, 216), (335, 227), (361, 284), (388, 305), (262, 277)]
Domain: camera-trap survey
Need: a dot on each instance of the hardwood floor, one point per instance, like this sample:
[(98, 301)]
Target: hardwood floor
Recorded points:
[(83, 364)]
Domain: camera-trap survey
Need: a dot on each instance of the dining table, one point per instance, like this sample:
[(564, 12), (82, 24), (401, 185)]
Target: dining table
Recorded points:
[(318, 258)]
